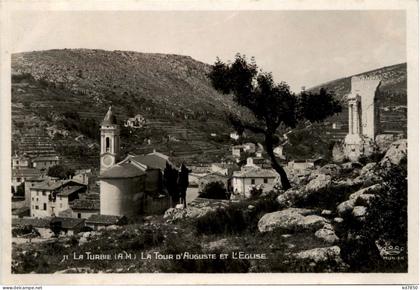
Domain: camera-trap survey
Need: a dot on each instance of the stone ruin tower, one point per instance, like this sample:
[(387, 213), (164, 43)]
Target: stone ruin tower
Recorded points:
[(363, 117)]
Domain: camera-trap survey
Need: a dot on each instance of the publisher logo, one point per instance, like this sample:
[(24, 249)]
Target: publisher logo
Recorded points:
[(389, 250)]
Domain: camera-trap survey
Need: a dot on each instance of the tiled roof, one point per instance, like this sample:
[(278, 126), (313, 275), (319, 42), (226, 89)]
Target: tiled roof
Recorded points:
[(85, 204), (67, 222), (46, 158), (26, 172), (101, 219), (35, 222), (255, 172), (68, 190), (153, 160), (125, 170), (54, 185)]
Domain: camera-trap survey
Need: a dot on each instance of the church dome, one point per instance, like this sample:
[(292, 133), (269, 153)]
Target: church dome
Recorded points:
[(110, 118)]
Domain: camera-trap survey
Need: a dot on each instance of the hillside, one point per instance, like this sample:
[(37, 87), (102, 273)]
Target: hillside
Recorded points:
[(61, 88), (60, 96)]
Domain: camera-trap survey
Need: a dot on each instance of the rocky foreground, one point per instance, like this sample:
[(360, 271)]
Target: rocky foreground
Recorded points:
[(331, 220)]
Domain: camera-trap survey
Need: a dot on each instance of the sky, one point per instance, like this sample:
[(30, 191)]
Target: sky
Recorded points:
[(302, 48)]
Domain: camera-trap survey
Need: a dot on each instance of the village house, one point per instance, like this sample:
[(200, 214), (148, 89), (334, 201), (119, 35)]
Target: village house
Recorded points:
[(249, 147), (137, 121), (84, 208), (302, 167), (45, 162), (237, 150), (252, 177), (235, 136), (224, 168), (49, 198), (19, 162), (67, 226), (100, 221), (20, 175), (257, 162), (82, 176)]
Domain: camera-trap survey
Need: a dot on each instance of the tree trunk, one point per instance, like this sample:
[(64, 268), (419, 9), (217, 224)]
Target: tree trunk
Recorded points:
[(276, 166)]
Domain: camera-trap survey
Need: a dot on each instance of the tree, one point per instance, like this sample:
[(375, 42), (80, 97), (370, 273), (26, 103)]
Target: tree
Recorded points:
[(214, 190), (170, 179), (61, 171), (271, 108), (183, 183)]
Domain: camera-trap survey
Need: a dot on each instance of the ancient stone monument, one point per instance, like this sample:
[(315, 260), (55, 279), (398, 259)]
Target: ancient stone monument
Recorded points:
[(363, 117)]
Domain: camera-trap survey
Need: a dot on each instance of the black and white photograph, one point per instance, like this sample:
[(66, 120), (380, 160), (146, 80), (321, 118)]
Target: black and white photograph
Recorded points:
[(211, 141)]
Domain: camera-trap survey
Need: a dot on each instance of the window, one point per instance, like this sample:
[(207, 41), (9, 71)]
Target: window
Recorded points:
[(107, 144), (37, 199), (253, 181), (43, 192), (45, 206), (36, 207), (17, 161), (265, 180), (79, 215), (18, 179), (32, 199)]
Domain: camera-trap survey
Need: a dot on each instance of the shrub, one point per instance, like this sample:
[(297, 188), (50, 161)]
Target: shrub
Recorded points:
[(214, 190), (386, 222)]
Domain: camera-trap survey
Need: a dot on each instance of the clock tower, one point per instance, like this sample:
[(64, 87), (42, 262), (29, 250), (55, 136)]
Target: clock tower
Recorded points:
[(110, 141)]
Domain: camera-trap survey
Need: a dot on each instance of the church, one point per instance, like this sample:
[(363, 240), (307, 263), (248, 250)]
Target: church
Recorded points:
[(132, 185)]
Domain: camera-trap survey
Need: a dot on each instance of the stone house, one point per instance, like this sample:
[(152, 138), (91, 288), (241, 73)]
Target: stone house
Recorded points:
[(45, 162), (100, 221), (252, 177), (49, 198)]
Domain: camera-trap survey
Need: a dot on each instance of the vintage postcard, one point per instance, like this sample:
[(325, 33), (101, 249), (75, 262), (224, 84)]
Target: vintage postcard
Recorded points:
[(209, 142)]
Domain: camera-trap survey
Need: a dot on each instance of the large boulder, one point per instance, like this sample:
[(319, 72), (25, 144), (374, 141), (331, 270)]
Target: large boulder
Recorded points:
[(346, 207), (396, 153), (290, 197), (365, 193), (320, 182), (332, 170), (175, 214), (359, 212), (327, 234), (368, 168), (320, 254), (384, 141), (291, 220)]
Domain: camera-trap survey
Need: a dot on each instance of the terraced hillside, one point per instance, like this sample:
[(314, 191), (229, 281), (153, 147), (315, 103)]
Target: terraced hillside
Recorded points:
[(65, 94)]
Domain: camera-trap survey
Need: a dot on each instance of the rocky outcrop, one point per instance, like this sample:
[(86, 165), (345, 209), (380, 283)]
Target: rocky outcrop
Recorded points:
[(290, 220), (359, 212), (396, 153), (175, 214), (320, 254), (332, 170), (321, 181), (327, 234), (361, 197), (384, 141)]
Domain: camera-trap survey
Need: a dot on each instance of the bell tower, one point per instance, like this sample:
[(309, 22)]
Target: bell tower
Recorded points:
[(110, 141)]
